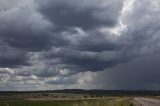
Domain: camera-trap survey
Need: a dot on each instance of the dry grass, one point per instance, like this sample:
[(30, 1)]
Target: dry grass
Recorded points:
[(88, 102)]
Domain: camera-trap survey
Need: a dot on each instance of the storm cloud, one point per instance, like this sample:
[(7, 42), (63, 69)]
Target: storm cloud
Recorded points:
[(84, 14), (56, 42)]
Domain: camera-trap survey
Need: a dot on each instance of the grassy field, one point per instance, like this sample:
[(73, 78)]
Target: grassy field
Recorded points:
[(93, 102)]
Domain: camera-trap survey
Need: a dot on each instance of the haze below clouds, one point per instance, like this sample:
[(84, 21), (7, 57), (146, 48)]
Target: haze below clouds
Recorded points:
[(87, 44)]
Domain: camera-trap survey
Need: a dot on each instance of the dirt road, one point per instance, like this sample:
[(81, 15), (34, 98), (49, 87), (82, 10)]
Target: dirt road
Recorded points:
[(147, 101)]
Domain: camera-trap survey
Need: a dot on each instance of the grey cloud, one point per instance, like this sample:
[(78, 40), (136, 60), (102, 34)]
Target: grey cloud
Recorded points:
[(22, 73), (26, 40), (33, 35), (63, 81), (142, 36), (12, 58), (139, 39), (81, 78), (22, 30), (138, 74), (59, 35), (19, 29), (84, 14), (50, 71), (7, 4), (97, 42), (83, 60)]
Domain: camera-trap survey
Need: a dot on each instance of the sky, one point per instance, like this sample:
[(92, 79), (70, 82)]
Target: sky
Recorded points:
[(79, 44)]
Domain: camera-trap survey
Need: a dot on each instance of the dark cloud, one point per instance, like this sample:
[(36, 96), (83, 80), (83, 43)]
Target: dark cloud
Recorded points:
[(22, 31), (53, 42), (84, 14), (12, 58), (18, 30), (82, 60), (98, 43), (140, 73), (26, 39)]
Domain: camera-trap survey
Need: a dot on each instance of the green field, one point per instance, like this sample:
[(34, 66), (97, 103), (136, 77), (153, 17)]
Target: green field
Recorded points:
[(93, 102)]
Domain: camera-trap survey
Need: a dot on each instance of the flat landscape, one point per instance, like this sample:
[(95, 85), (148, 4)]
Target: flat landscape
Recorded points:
[(79, 52), (81, 102), (80, 98), (64, 98)]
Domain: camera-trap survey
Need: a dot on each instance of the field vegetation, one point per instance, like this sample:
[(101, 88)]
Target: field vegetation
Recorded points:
[(84, 102)]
